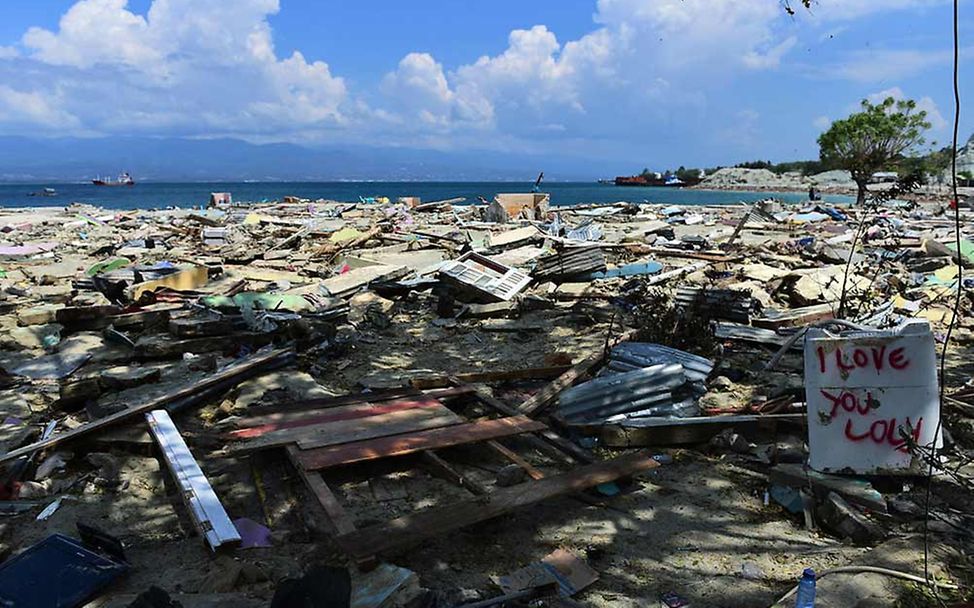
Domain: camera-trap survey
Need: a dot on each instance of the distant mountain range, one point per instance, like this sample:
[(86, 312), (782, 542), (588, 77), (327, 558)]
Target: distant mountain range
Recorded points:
[(38, 160)]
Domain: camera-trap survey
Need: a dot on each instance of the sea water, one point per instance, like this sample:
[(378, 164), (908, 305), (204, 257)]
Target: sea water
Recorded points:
[(149, 195)]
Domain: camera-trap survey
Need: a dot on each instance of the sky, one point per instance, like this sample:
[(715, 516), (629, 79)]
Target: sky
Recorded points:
[(642, 83)]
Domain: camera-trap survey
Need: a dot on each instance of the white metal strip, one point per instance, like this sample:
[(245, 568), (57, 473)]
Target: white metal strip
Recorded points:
[(205, 508)]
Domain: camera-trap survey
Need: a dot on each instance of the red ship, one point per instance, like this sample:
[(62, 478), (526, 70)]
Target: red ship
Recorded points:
[(122, 180)]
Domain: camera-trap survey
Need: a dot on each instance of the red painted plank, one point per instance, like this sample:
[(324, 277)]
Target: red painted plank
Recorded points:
[(408, 443), (347, 412)]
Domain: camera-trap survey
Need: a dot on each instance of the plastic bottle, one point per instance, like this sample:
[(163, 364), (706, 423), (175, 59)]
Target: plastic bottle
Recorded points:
[(806, 590)]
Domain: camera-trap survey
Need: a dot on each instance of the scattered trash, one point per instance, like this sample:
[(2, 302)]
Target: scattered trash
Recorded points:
[(497, 344)]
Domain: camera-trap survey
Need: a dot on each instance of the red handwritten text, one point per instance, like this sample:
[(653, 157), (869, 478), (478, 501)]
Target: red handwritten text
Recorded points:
[(880, 432), (876, 357)]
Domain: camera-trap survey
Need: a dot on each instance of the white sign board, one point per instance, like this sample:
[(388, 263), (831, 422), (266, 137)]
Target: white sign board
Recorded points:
[(864, 390)]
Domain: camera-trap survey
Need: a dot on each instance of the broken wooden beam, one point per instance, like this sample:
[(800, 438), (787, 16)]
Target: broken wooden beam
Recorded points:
[(546, 441), (530, 373), (795, 317), (655, 431), (548, 394), (186, 395), (446, 471), (337, 518), (515, 458), (416, 527)]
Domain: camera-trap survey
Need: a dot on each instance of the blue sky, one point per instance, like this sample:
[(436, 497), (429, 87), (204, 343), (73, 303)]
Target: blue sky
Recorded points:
[(655, 83)]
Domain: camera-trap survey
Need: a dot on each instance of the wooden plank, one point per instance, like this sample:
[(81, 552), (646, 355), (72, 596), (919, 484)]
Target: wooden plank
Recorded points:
[(292, 410), (334, 414), (546, 441), (548, 394), (444, 470), (338, 518), (410, 443), (531, 373), (280, 412), (414, 420), (237, 373), (204, 506), (515, 458), (359, 429), (644, 432), (415, 527), (796, 317), (678, 253)]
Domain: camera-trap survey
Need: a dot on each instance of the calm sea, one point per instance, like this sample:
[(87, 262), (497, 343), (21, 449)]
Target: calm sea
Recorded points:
[(160, 195)]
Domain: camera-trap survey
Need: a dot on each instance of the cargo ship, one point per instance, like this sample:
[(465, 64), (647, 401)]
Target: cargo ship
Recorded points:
[(669, 181), (123, 179)]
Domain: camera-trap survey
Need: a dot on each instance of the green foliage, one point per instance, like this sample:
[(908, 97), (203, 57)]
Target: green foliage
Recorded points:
[(805, 167), (755, 164), (658, 320), (870, 140), (934, 163)]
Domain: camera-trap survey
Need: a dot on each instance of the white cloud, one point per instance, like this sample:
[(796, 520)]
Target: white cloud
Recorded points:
[(925, 104), (94, 32), (211, 68), (770, 58), (33, 110), (643, 51), (419, 88), (881, 65), (184, 66)]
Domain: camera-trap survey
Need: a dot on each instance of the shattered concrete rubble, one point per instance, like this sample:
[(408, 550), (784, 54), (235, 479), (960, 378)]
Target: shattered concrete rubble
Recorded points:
[(248, 402)]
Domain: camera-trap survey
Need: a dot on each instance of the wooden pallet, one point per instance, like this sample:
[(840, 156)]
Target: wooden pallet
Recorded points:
[(363, 544)]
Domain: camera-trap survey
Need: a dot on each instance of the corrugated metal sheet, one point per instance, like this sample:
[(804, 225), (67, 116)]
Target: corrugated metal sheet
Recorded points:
[(634, 355), (569, 262), (620, 393), (678, 409), (746, 333)]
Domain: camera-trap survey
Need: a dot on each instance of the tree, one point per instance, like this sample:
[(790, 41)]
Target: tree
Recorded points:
[(869, 140)]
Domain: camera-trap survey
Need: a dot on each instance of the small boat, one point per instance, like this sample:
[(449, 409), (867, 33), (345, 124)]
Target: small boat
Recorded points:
[(123, 179), (44, 192)]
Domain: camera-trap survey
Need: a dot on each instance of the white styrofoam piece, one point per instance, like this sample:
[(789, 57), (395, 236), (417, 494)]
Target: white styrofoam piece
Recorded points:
[(205, 508), (863, 390)]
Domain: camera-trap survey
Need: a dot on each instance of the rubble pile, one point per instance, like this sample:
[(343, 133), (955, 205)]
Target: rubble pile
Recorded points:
[(339, 382)]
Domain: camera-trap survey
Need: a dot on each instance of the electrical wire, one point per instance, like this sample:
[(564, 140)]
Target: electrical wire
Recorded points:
[(957, 299), (873, 570)]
